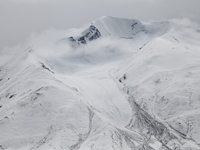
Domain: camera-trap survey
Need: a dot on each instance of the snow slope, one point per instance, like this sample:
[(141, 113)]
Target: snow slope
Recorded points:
[(117, 84), (164, 80)]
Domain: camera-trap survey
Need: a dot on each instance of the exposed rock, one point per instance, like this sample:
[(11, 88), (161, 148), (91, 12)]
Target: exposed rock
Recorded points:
[(92, 33)]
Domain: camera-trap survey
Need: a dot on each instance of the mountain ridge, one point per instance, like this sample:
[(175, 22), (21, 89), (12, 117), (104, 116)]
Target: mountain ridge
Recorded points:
[(119, 91)]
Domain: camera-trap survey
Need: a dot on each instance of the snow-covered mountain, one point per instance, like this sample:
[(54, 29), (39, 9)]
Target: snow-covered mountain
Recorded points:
[(116, 84)]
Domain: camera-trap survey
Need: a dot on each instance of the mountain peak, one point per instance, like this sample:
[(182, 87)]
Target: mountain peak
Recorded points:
[(107, 26), (119, 27)]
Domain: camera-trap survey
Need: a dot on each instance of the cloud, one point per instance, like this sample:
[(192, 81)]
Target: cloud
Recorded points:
[(187, 30), (186, 22), (34, 1), (85, 1)]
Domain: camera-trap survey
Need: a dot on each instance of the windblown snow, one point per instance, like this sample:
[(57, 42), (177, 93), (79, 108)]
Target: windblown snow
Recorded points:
[(116, 84)]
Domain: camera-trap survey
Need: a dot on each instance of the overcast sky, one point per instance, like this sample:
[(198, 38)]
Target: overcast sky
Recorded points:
[(19, 18)]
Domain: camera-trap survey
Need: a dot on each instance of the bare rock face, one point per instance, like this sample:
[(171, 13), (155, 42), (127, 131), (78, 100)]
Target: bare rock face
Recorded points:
[(92, 33)]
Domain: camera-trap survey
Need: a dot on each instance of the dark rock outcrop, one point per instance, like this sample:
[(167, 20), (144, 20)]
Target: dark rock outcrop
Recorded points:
[(92, 33)]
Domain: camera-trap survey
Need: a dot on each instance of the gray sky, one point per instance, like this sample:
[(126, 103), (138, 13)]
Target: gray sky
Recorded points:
[(19, 18)]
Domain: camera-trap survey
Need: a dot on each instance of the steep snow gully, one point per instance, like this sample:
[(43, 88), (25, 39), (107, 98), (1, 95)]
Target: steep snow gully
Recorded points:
[(118, 84)]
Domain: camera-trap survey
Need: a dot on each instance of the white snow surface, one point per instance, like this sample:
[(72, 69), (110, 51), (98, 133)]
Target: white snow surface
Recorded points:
[(114, 92)]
